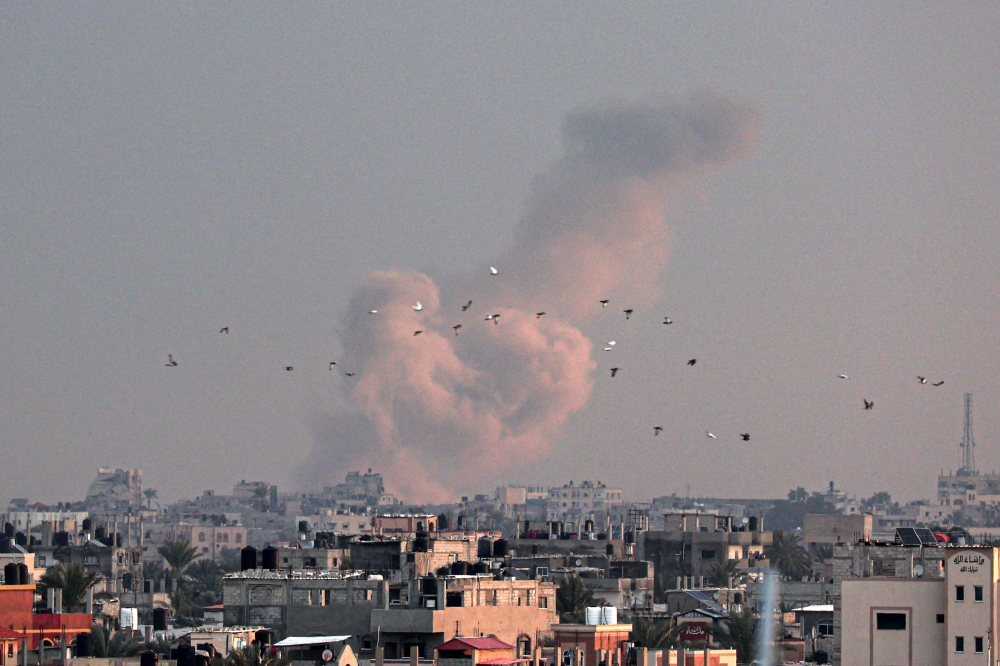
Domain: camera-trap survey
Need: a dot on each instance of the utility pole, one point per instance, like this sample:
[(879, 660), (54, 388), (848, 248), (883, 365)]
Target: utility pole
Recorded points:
[(968, 444)]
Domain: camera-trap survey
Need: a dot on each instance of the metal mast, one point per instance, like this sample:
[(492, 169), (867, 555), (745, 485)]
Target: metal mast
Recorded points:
[(968, 444)]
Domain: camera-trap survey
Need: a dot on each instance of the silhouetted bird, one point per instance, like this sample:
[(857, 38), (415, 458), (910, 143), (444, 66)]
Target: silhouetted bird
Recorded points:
[(415, 333), (922, 380), (657, 430), (493, 317), (332, 363), (869, 405), (466, 306), (171, 363), (456, 327), (692, 361), (373, 312), (614, 371), (843, 376), (419, 306), (709, 435), (493, 271), (628, 313), (539, 315), (604, 303), (668, 320), (289, 368), (745, 436), (350, 374), (940, 383), (224, 329)]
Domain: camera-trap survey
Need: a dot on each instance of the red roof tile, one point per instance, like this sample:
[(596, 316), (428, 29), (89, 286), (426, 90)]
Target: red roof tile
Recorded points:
[(476, 643), (8, 635)]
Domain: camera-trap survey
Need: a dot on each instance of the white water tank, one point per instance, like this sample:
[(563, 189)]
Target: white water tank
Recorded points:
[(601, 615)]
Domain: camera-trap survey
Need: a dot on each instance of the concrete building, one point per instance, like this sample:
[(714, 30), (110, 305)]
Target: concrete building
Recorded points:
[(590, 638), (209, 539), (115, 491), (589, 499), (836, 529), (949, 620)]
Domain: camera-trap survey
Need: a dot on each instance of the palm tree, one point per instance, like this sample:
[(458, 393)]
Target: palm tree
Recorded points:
[(651, 633), (152, 570), (74, 580), (723, 572), (178, 553), (150, 494), (115, 644), (572, 599), (261, 492), (787, 555), (739, 632)]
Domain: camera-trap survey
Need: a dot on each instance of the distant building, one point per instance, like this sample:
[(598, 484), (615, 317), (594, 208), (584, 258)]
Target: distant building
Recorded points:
[(588, 500), (210, 540), (115, 491)]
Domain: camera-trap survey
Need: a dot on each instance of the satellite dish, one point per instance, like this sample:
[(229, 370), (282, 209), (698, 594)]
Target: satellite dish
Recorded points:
[(918, 570), (579, 562), (327, 654), (716, 596), (746, 520)]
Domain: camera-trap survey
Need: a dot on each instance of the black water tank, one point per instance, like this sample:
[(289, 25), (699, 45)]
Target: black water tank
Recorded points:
[(443, 571), (100, 533), (304, 526), (84, 645), (118, 540), (127, 581), (753, 523), (147, 586), (500, 548), (269, 560), (159, 619), (460, 568), (6, 544), (88, 524), (534, 549), (480, 568), (23, 575), (263, 636), (421, 542), (428, 585), (248, 558), (148, 658), (61, 539), (588, 526), (185, 655), (444, 523), (460, 522), (484, 548), (201, 660), (609, 549), (20, 539), (10, 574), (630, 537), (8, 529)]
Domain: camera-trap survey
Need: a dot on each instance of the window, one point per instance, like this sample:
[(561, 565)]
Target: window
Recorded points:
[(543, 602), (890, 621), (201, 536), (40, 561), (824, 629), (239, 538), (959, 643), (959, 593), (708, 554), (979, 644), (940, 618), (977, 593)]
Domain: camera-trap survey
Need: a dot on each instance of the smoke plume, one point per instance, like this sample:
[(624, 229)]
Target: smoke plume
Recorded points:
[(430, 408)]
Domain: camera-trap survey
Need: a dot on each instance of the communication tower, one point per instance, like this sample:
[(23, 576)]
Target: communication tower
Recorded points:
[(968, 444)]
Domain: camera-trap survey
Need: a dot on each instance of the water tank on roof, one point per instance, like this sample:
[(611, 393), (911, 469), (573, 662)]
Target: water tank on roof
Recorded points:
[(84, 645), (602, 615), (100, 533), (148, 658), (20, 539), (753, 523), (159, 619), (444, 523), (421, 542), (248, 558), (428, 585), (459, 568), (500, 548), (484, 548), (480, 568), (269, 559), (8, 529), (6, 544), (630, 537), (443, 571), (23, 575), (609, 550), (88, 524), (304, 526), (61, 539), (263, 636), (10, 574)]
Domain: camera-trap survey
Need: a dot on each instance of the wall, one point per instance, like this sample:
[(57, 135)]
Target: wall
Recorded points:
[(922, 643)]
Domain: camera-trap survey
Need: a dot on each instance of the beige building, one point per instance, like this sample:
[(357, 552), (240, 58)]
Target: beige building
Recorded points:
[(210, 540), (920, 621), (836, 528)]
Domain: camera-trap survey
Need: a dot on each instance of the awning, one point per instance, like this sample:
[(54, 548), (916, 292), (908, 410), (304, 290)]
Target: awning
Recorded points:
[(296, 641)]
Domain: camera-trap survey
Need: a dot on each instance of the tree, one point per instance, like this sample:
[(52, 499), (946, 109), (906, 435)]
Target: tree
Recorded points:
[(152, 570), (787, 555), (150, 494), (74, 580), (261, 492), (573, 598), (115, 644), (651, 633), (739, 632), (178, 554), (722, 572)]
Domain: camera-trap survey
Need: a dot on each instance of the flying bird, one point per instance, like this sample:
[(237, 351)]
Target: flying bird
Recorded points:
[(604, 303), (289, 368), (709, 435), (373, 312), (668, 320), (332, 363), (493, 271), (466, 306), (745, 436), (921, 380), (171, 363), (614, 371), (843, 376), (657, 430), (608, 348), (692, 361), (539, 315), (628, 313), (350, 374), (224, 329), (416, 333), (456, 327), (419, 306), (869, 405), (494, 317), (940, 383)]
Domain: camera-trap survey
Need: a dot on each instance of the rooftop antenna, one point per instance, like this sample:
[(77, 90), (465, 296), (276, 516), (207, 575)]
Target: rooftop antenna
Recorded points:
[(968, 444)]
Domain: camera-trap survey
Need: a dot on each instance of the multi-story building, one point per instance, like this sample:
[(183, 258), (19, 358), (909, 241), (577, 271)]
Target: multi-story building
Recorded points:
[(210, 540), (114, 492), (589, 499)]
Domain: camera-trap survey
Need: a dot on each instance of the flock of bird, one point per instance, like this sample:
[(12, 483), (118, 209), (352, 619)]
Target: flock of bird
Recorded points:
[(495, 318)]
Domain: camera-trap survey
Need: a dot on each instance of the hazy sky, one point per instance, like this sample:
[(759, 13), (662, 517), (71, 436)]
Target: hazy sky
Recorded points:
[(169, 169)]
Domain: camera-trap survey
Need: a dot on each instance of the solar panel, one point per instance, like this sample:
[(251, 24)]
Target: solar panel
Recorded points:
[(925, 535), (908, 536)]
